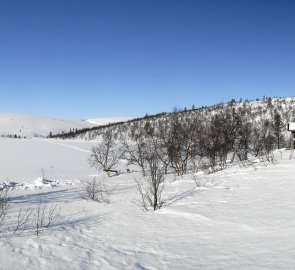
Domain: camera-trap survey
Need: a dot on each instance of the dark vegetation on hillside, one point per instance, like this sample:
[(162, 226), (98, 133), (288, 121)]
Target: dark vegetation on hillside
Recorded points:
[(247, 110), (205, 139)]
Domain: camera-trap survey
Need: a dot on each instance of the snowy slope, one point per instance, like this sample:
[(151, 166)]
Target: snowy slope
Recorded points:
[(240, 218), (30, 126), (251, 111), (106, 120)]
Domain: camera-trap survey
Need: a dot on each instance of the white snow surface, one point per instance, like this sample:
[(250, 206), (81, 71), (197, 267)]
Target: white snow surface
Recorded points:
[(36, 126), (106, 120), (240, 218), (32, 126), (292, 126)]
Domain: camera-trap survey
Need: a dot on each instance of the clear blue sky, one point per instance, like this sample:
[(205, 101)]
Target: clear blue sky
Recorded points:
[(88, 58)]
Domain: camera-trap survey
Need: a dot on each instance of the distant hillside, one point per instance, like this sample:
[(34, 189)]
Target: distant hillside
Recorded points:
[(107, 120), (248, 110), (32, 126)]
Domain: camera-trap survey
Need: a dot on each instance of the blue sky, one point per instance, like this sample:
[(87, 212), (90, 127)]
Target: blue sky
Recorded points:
[(83, 59)]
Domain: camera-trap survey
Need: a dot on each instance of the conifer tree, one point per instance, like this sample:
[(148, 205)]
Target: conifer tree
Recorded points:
[(278, 126)]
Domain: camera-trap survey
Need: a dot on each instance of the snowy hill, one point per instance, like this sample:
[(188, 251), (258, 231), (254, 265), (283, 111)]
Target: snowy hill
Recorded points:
[(106, 120), (32, 126), (249, 111), (237, 212), (35, 126)]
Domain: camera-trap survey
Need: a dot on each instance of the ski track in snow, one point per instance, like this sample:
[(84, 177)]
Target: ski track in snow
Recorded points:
[(69, 146)]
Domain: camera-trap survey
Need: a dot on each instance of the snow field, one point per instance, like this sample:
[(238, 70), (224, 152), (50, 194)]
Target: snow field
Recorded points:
[(240, 218)]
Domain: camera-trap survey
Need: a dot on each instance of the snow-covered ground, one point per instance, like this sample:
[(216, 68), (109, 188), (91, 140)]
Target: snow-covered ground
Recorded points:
[(240, 218)]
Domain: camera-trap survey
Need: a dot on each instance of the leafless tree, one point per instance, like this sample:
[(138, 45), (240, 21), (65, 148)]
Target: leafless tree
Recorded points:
[(23, 219), (4, 197), (52, 214), (264, 140), (43, 217), (218, 137), (163, 135), (134, 149), (152, 187), (39, 219), (106, 154), (243, 143), (96, 191), (180, 143)]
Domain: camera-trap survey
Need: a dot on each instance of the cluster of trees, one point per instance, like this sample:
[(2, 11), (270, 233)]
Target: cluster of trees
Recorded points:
[(183, 143), (12, 136), (95, 131), (250, 110)]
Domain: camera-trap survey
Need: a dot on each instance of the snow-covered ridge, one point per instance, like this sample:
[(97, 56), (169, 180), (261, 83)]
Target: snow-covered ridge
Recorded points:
[(106, 120), (12, 124), (253, 112), (31, 126)]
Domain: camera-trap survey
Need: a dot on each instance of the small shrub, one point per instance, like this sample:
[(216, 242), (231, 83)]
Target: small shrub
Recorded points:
[(4, 197), (24, 217), (96, 191), (44, 217)]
